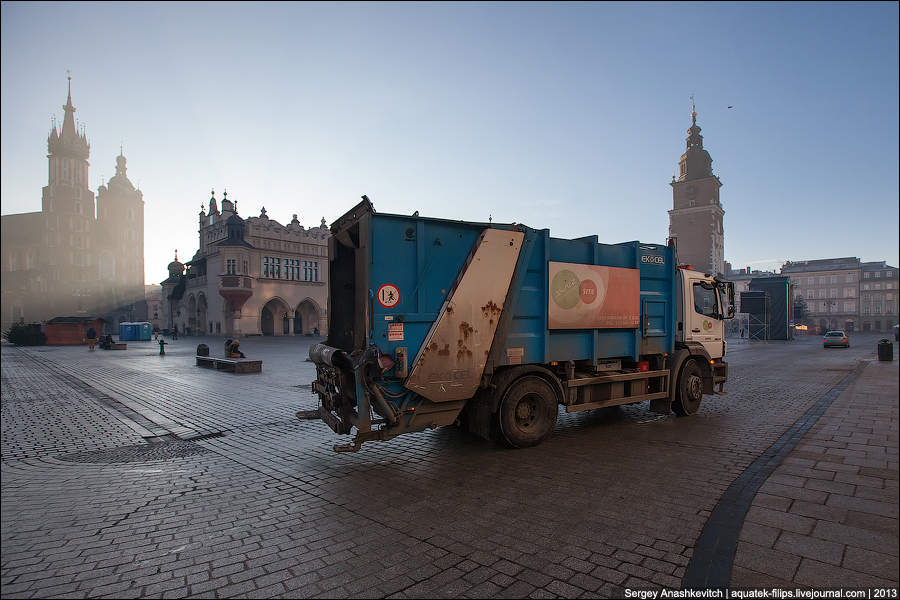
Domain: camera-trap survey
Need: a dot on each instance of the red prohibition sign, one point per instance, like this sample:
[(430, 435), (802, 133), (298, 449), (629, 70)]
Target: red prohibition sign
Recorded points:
[(388, 295)]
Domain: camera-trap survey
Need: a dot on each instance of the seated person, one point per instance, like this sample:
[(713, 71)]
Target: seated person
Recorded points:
[(234, 351)]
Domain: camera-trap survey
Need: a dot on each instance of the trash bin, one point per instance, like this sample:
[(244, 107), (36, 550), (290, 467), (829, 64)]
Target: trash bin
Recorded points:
[(885, 349), (202, 350)]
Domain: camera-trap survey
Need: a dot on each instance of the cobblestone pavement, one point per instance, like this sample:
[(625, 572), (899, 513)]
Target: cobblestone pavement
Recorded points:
[(129, 474)]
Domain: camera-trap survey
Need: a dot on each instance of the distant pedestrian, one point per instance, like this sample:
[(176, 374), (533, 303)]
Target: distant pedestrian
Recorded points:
[(91, 338), (175, 333)]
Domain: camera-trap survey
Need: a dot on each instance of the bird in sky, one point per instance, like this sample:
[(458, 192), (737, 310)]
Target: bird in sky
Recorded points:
[(730, 107)]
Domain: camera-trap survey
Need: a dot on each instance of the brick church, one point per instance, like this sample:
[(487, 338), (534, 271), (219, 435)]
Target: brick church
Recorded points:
[(79, 255)]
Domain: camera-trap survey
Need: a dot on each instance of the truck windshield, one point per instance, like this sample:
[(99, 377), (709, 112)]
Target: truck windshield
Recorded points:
[(705, 299)]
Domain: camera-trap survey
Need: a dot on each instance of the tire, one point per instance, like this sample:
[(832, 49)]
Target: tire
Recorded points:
[(527, 413), (689, 393)]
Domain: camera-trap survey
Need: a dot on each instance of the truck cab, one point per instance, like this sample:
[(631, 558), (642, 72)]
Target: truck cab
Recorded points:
[(698, 365), (705, 302)]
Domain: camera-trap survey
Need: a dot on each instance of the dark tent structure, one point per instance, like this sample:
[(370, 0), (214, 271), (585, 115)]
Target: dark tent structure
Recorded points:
[(771, 308)]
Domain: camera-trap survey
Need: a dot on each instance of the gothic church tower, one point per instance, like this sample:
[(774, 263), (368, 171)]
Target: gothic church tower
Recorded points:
[(68, 217), (696, 218)]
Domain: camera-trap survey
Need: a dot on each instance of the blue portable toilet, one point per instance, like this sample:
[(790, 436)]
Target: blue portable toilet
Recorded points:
[(126, 332), (143, 331)]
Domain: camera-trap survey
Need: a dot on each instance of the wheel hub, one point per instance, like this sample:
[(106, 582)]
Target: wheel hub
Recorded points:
[(695, 387), (526, 412)]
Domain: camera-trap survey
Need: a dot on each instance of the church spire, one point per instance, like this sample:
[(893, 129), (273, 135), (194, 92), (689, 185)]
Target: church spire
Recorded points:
[(696, 162), (70, 140), (68, 128)]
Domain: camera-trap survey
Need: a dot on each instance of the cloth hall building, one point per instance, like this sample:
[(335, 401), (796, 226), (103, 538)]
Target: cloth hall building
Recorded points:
[(250, 276)]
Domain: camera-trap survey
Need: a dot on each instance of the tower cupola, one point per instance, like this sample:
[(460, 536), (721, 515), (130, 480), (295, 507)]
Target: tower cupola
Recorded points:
[(696, 162)]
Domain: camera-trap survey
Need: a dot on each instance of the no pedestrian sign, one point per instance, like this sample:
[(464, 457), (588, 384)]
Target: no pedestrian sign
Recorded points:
[(388, 295)]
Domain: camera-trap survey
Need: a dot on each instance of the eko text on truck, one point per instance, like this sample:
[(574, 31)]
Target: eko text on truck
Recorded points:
[(494, 326)]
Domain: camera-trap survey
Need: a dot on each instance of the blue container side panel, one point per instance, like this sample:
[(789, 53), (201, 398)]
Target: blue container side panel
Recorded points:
[(528, 300), (528, 330), (422, 258)]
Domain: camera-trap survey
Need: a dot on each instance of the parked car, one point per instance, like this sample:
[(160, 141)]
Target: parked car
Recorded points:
[(836, 338)]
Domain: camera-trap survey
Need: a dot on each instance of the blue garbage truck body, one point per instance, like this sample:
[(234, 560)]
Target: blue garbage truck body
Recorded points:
[(433, 322)]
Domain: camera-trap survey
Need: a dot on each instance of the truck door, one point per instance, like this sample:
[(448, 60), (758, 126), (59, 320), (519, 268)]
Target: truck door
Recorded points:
[(704, 319)]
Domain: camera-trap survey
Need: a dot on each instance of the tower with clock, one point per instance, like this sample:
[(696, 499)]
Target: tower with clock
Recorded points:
[(696, 218)]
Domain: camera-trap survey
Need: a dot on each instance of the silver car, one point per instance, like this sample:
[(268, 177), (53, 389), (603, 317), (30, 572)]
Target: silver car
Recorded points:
[(836, 338)]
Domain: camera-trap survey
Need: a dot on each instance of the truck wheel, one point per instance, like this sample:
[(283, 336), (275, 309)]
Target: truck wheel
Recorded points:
[(527, 413), (689, 392)]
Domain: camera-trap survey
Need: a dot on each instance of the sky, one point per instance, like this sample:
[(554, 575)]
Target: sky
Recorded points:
[(570, 116)]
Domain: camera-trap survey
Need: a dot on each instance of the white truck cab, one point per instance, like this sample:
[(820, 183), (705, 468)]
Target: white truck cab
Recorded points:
[(704, 304)]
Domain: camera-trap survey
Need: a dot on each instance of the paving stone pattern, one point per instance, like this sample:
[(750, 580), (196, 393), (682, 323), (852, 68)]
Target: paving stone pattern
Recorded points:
[(828, 514), (614, 499)]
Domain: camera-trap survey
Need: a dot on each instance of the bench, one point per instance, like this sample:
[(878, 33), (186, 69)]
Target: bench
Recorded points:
[(233, 365), (119, 346)]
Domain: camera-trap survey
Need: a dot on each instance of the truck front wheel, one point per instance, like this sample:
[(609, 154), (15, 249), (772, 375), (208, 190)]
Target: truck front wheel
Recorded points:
[(689, 392), (528, 412)]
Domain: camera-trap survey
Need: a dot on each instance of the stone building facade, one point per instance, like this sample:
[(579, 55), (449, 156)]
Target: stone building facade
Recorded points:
[(77, 256), (696, 219), (830, 288), (250, 276), (877, 296)]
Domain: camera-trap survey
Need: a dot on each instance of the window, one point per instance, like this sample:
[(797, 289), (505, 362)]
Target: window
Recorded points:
[(849, 277), (849, 307), (810, 280), (834, 279), (877, 274), (231, 266), (821, 281), (866, 276), (865, 286), (810, 293), (876, 286), (821, 293), (704, 299), (888, 273)]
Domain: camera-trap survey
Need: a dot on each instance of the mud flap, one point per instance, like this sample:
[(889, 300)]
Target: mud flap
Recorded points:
[(661, 406)]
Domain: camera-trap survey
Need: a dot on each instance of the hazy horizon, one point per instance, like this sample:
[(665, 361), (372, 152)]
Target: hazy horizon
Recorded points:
[(571, 117)]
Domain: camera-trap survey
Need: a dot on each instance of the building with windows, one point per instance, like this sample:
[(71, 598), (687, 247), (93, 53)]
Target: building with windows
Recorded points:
[(76, 257), (250, 276), (830, 288), (877, 296), (696, 219)]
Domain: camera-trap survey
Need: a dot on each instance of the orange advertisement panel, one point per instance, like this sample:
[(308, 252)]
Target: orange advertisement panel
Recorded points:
[(593, 297)]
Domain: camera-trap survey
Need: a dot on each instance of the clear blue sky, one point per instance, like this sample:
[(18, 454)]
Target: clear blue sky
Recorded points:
[(567, 116)]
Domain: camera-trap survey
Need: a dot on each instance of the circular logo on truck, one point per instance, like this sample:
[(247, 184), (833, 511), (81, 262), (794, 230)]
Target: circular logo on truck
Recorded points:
[(565, 289), (388, 295), (588, 291)]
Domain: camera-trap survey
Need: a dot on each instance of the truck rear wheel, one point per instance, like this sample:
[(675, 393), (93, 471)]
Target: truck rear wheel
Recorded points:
[(527, 413), (689, 392)]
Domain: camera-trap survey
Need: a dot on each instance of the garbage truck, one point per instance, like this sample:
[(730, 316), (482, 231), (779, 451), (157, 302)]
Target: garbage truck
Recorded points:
[(497, 327)]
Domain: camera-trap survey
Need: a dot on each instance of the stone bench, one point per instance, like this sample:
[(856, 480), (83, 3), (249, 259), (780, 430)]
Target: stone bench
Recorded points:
[(119, 346), (233, 365)]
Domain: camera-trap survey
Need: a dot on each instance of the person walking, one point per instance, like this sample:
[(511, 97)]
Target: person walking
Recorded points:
[(91, 338), (175, 333)]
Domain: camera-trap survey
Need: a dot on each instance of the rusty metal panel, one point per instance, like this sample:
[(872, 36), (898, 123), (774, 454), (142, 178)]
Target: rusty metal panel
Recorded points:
[(451, 360), (593, 296)]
